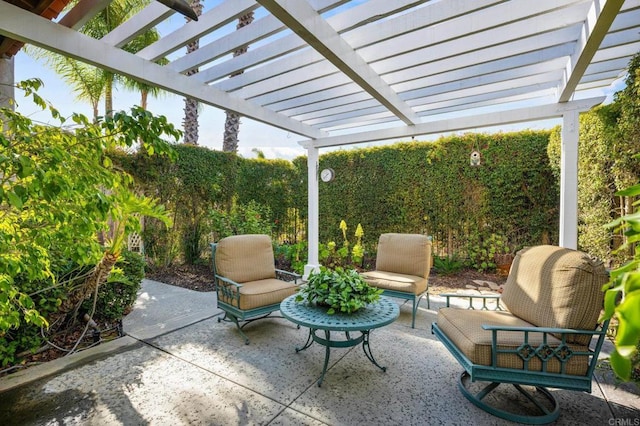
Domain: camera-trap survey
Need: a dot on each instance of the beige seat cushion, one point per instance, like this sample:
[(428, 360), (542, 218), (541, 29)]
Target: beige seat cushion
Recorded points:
[(403, 263), (464, 328), (255, 294), (244, 258), (550, 286), (397, 282)]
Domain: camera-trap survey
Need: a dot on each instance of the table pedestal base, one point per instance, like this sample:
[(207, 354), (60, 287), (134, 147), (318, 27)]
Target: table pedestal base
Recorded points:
[(349, 342)]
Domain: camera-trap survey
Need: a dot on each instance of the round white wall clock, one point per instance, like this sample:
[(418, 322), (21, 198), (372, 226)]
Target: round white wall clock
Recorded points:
[(327, 175)]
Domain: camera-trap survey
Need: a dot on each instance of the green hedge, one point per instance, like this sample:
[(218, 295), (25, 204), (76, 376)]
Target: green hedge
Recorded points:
[(430, 187), (422, 187)]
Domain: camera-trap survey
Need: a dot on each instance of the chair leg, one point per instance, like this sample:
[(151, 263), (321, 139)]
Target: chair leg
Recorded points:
[(416, 303), (547, 412), (232, 318)]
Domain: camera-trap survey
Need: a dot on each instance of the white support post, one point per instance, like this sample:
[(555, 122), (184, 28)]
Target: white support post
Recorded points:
[(569, 180), (313, 223)]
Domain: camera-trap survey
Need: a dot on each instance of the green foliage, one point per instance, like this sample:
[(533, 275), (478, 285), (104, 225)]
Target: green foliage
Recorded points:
[(483, 249), (50, 174), (447, 265), (339, 290), (252, 218), (118, 295), (292, 256), (430, 188), (202, 181), (115, 298), (622, 296)]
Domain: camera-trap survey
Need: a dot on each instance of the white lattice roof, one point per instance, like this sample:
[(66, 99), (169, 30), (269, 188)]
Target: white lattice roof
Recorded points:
[(374, 69)]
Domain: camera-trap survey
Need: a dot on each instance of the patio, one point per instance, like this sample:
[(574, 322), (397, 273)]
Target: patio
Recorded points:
[(179, 366)]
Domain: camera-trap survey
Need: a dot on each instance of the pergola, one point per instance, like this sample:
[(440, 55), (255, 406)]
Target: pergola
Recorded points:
[(340, 72)]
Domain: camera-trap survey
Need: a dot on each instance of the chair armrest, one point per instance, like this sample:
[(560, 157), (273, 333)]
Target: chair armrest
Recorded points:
[(288, 276), (472, 297), (228, 290), (545, 351), (534, 329)]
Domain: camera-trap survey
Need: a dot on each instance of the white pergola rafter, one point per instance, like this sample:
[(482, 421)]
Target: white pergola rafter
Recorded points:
[(521, 115), (599, 20), (307, 24)]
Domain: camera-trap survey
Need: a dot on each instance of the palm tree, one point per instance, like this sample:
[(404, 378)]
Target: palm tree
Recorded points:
[(88, 82), (232, 121), (102, 24), (190, 122)]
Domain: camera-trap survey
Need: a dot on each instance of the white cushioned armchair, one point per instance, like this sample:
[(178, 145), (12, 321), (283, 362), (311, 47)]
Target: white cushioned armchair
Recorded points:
[(248, 285), (402, 269)]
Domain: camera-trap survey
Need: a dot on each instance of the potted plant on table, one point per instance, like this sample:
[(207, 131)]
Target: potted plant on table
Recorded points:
[(338, 290)]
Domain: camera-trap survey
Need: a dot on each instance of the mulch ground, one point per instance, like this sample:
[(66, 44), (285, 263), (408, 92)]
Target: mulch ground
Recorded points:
[(199, 278)]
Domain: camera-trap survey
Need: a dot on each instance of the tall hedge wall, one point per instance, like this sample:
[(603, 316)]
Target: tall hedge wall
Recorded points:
[(422, 187), (430, 187)]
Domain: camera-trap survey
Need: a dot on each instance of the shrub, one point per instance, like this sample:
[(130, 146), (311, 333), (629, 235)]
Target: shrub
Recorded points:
[(117, 296), (447, 265)]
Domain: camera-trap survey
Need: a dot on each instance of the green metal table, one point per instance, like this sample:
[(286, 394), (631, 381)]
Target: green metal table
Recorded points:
[(376, 315)]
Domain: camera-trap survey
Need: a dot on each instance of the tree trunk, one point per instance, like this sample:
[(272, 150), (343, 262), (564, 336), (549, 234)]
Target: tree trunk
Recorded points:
[(89, 286), (108, 97), (144, 96), (232, 122)]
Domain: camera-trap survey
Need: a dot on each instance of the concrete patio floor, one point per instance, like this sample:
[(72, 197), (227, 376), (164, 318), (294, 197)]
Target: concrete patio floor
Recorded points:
[(178, 366)]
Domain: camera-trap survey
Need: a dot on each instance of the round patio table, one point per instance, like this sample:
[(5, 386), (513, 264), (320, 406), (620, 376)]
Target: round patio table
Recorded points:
[(375, 315)]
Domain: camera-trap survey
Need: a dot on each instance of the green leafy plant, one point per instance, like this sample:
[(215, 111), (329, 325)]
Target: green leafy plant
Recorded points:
[(117, 297), (250, 218), (447, 265), (482, 250), (622, 296), (291, 256), (339, 290), (58, 191)]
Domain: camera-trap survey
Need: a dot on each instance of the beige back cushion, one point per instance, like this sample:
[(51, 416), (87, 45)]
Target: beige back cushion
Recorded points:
[(244, 258), (408, 254), (551, 286)]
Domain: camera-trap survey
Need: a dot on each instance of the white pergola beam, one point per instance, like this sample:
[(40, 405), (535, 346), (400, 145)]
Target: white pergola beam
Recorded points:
[(290, 43), (259, 29), (82, 12), (498, 24), (599, 20), (246, 35), (461, 123), (307, 24), (215, 18), (147, 18), (21, 25)]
